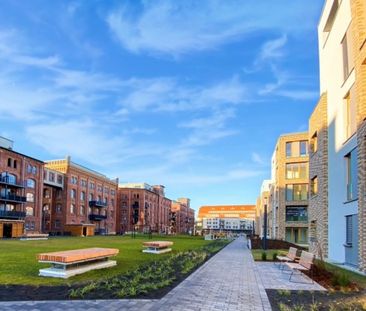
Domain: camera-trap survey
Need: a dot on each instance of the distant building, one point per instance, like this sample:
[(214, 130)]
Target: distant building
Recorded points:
[(89, 199), (182, 217), (21, 190), (288, 198), (262, 211), (227, 218), (142, 207)]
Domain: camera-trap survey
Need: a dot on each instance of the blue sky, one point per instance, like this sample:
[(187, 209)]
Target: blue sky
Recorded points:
[(189, 94)]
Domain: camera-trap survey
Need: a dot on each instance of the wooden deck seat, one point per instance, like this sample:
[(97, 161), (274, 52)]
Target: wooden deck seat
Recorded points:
[(157, 247), (290, 257), (305, 264), (73, 262)]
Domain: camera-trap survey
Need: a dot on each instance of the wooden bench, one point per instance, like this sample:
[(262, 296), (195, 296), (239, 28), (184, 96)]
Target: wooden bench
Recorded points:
[(290, 257), (157, 247), (69, 263), (305, 264)]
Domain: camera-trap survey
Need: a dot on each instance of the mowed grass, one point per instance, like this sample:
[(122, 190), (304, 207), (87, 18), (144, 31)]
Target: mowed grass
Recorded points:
[(18, 263), (257, 253)]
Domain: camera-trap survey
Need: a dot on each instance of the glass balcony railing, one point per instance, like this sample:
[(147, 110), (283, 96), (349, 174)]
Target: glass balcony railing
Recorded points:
[(96, 203), (12, 198), (12, 214)]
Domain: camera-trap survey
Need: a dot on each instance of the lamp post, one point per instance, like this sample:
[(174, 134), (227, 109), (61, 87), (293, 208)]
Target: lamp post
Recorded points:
[(265, 225)]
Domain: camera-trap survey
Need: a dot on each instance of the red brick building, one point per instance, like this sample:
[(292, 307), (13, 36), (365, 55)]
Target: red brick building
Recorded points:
[(88, 197), (21, 189), (181, 217), (142, 207)]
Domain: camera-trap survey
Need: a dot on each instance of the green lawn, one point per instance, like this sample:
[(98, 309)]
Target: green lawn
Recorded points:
[(257, 253), (18, 263)]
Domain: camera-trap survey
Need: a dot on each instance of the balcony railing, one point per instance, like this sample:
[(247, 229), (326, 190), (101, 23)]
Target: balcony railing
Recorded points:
[(12, 214), (97, 217), (95, 203), (12, 198), (7, 180)]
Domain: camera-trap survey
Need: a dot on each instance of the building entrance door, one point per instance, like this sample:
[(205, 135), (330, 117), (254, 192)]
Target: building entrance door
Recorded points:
[(7, 230), (85, 231)]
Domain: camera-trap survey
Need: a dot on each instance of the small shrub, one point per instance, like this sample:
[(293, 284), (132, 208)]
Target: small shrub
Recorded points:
[(298, 308), (340, 279), (314, 307), (274, 256), (264, 256), (283, 307), (284, 292)]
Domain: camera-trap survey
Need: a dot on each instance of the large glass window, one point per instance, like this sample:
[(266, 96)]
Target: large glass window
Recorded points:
[(347, 55), (349, 114), (30, 197), (297, 149), (31, 183), (352, 180), (73, 194), (297, 192), (297, 170), (296, 213)]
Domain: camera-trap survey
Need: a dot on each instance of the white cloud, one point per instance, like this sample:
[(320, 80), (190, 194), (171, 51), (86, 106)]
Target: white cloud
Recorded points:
[(256, 158), (178, 27), (273, 49)]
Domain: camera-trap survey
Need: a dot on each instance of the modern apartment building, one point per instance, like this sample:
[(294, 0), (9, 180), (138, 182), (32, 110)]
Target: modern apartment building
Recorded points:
[(182, 216), (21, 190), (142, 207), (89, 199), (288, 196), (227, 218), (338, 137), (263, 214)]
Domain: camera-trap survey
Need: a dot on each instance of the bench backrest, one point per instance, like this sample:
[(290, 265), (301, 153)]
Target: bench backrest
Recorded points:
[(292, 253), (306, 259)]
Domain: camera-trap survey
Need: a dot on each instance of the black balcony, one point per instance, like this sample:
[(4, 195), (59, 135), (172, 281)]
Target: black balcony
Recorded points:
[(12, 198), (135, 206), (12, 215), (7, 180), (97, 217), (95, 203)]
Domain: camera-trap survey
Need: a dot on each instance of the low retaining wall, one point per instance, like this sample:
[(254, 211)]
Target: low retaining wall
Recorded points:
[(257, 243)]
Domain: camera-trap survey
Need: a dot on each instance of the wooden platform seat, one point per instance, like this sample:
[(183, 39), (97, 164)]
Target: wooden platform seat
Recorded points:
[(34, 236), (157, 247), (305, 264), (290, 257), (69, 263)]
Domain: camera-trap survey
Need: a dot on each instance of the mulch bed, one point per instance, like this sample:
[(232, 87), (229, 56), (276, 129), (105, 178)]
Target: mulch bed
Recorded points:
[(290, 300)]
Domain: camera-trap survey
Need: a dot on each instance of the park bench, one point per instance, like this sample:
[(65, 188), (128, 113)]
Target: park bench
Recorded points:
[(305, 264), (290, 257), (69, 263), (34, 236), (157, 247)]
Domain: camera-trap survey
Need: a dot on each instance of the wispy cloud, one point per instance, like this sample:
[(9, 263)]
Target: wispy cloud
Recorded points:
[(179, 27)]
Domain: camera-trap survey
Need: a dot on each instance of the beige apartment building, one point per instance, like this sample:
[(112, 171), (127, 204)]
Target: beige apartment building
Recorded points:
[(337, 133), (288, 195)]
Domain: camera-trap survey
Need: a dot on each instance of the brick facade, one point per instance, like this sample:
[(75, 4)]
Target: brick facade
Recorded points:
[(284, 228), (21, 190), (181, 217), (318, 168)]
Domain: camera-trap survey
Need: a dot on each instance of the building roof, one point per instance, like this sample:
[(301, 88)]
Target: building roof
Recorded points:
[(21, 154), (227, 211)]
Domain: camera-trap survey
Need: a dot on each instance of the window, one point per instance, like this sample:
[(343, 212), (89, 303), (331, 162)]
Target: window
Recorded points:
[(72, 208), (8, 178), (82, 210), (297, 192), (296, 170), (58, 194), (83, 183), (314, 143), (57, 224), (297, 149), (74, 180), (51, 176), (9, 162), (113, 192), (349, 227), (296, 213), (34, 170), (59, 179), (30, 197), (82, 195), (15, 164), (73, 193), (29, 168), (314, 186), (349, 114), (100, 188), (351, 175), (347, 53), (29, 211), (58, 208), (91, 197), (92, 185), (31, 183)]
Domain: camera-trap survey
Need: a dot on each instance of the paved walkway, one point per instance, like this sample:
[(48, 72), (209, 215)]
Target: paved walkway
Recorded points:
[(228, 281)]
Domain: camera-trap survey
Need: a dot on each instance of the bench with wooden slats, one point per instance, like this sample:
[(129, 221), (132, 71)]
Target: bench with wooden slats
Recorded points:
[(305, 264), (73, 262), (290, 257), (157, 247)]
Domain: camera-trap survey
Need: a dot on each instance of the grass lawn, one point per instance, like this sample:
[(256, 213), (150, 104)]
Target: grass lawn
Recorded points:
[(18, 263), (257, 253)]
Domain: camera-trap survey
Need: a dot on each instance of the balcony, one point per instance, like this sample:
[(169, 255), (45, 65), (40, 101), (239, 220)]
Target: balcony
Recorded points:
[(95, 203), (96, 217), (12, 198), (12, 215), (8, 181)]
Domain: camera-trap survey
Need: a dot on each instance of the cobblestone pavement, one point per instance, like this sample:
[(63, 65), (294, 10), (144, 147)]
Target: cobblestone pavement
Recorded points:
[(273, 278), (228, 281)]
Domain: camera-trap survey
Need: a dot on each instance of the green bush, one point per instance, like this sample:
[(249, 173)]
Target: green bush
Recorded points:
[(340, 279), (274, 256), (264, 256)]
